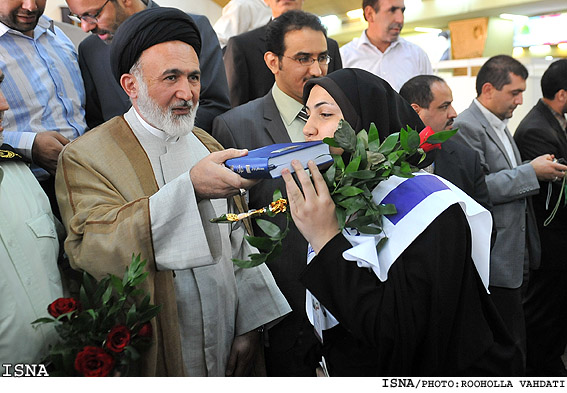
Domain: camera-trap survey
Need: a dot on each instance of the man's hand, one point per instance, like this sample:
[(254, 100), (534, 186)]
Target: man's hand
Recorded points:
[(548, 170), (46, 148), (242, 354), (211, 179)]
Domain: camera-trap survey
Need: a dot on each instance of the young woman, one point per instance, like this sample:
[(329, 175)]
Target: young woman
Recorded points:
[(429, 313)]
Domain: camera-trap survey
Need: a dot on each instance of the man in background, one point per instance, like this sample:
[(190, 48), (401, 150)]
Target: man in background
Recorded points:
[(381, 50), (43, 86), (240, 16), (432, 99), (296, 51), (151, 187), (248, 76), (543, 131), (500, 85), (105, 98)]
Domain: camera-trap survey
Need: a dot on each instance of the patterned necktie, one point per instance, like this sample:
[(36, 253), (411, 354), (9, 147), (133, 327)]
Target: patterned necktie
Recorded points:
[(302, 115)]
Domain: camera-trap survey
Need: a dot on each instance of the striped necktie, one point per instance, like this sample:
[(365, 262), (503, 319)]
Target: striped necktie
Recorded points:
[(302, 115)]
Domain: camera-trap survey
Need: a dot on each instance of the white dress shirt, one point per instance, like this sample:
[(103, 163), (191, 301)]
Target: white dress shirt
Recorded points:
[(401, 61)]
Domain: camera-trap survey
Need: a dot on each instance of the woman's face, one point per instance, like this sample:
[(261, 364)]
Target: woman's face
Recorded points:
[(324, 115)]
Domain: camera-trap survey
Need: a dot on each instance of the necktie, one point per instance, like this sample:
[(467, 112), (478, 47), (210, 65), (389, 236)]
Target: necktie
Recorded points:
[(302, 115)]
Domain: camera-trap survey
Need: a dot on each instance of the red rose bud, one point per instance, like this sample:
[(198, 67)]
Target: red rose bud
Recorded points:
[(118, 338), (146, 330), (94, 362), (63, 305), (423, 135)]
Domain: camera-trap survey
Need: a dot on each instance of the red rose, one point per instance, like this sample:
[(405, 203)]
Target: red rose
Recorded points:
[(423, 135), (118, 338), (94, 362), (63, 305), (146, 330)]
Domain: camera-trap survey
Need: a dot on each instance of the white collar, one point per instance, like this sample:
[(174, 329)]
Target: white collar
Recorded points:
[(364, 40)]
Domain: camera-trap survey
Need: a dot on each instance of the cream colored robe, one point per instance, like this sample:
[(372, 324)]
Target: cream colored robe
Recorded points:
[(104, 180)]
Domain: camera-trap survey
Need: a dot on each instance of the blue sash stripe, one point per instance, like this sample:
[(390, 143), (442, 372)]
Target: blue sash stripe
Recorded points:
[(410, 193)]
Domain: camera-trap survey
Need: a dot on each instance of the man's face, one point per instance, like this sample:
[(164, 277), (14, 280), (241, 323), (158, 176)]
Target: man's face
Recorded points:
[(503, 102), (168, 96), (21, 15), (290, 75), (280, 6), (386, 24), (3, 108), (440, 114), (110, 17)]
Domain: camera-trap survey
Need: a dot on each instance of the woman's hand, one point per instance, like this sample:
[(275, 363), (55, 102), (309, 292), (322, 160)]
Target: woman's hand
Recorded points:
[(313, 211)]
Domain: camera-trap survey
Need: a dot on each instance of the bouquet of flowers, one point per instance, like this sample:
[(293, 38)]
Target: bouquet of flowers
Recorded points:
[(351, 184), (105, 331)]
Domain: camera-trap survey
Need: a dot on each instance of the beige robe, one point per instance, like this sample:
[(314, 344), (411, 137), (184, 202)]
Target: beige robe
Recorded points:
[(104, 181)]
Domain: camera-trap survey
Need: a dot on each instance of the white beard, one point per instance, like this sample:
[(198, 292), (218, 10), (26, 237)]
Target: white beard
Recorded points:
[(165, 120)]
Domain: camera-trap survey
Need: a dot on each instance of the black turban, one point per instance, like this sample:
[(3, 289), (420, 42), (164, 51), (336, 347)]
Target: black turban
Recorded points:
[(365, 98), (147, 28)]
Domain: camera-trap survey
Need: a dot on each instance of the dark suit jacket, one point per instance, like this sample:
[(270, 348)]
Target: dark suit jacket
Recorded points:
[(540, 133), (248, 75), (106, 99), (255, 124), (461, 166), (510, 189)]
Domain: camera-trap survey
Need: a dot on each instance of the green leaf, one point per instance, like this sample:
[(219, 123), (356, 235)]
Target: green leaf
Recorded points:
[(43, 320), (413, 139), (441, 136), (341, 216), (350, 191), (330, 142), (389, 144), (363, 174), (353, 165), (261, 243), (277, 195), (269, 228), (345, 136), (373, 136)]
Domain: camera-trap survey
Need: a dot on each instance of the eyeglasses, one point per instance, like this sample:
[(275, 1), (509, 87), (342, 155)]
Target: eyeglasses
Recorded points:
[(92, 19), (307, 61)]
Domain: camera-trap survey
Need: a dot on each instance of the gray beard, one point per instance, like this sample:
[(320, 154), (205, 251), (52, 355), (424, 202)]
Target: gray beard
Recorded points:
[(173, 125)]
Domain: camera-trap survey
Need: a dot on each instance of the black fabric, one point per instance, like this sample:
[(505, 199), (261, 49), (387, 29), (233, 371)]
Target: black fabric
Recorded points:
[(432, 317), (544, 306), (365, 98), (147, 28)]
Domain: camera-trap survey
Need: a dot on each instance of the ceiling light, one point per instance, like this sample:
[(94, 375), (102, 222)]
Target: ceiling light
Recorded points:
[(428, 30), (355, 14), (332, 23), (562, 46), (540, 49), (518, 51)]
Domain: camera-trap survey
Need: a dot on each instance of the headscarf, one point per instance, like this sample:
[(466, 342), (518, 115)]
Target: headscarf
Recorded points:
[(365, 98), (147, 28)]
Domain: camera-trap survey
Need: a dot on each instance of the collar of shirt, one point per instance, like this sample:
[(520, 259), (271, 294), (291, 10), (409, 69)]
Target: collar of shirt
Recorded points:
[(493, 120), (287, 106), (364, 40), (43, 25), (560, 118), (155, 131)]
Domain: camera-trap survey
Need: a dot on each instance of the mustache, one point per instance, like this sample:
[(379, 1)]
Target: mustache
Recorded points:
[(395, 26)]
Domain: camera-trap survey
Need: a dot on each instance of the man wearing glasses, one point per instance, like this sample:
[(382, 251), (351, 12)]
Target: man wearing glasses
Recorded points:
[(43, 87), (248, 77), (296, 52), (105, 98)]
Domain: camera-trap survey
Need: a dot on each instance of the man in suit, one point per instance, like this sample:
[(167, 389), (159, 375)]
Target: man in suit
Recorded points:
[(297, 51), (500, 84), (105, 97), (247, 74), (432, 99), (543, 131)]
